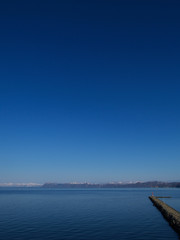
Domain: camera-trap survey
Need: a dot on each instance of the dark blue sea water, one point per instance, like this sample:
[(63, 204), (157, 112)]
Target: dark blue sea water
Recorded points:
[(112, 214)]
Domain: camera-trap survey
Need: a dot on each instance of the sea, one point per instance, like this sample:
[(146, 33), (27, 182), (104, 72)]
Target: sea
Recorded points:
[(84, 214)]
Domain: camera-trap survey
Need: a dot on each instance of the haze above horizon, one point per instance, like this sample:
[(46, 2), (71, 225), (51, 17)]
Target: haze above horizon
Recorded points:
[(89, 91)]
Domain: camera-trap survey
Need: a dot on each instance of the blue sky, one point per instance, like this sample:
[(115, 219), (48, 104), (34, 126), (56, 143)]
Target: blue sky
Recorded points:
[(89, 91)]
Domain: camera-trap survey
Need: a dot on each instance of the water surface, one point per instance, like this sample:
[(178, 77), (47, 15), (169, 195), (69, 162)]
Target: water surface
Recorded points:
[(83, 214)]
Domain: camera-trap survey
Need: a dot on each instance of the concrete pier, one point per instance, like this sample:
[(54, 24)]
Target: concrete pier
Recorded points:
[(169, 213)]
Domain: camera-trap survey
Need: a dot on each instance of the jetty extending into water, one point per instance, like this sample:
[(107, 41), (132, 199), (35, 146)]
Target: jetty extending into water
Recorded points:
[(169, 213)]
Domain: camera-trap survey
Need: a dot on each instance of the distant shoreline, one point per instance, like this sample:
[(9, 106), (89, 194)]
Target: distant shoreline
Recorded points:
[(150, 184)]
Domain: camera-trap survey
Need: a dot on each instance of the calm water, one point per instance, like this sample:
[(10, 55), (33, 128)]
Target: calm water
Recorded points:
[(114, 214)]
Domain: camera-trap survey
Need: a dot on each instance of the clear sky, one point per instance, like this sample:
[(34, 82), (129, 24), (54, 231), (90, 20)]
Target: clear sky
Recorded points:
[(89, 90)]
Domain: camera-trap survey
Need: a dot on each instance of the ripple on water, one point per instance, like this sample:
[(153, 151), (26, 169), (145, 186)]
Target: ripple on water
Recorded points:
[(81, 214)]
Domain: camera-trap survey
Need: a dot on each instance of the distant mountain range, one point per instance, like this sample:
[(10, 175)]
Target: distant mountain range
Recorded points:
[(20, 185), (152, 184)]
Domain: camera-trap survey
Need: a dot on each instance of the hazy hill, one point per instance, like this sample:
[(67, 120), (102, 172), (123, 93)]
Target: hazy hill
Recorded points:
[(152, 184)]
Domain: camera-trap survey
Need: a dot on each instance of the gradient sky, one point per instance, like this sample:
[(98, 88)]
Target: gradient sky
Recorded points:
[(89, 90)]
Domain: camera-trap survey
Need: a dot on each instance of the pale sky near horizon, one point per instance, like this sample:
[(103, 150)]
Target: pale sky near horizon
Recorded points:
[(89, 91)]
